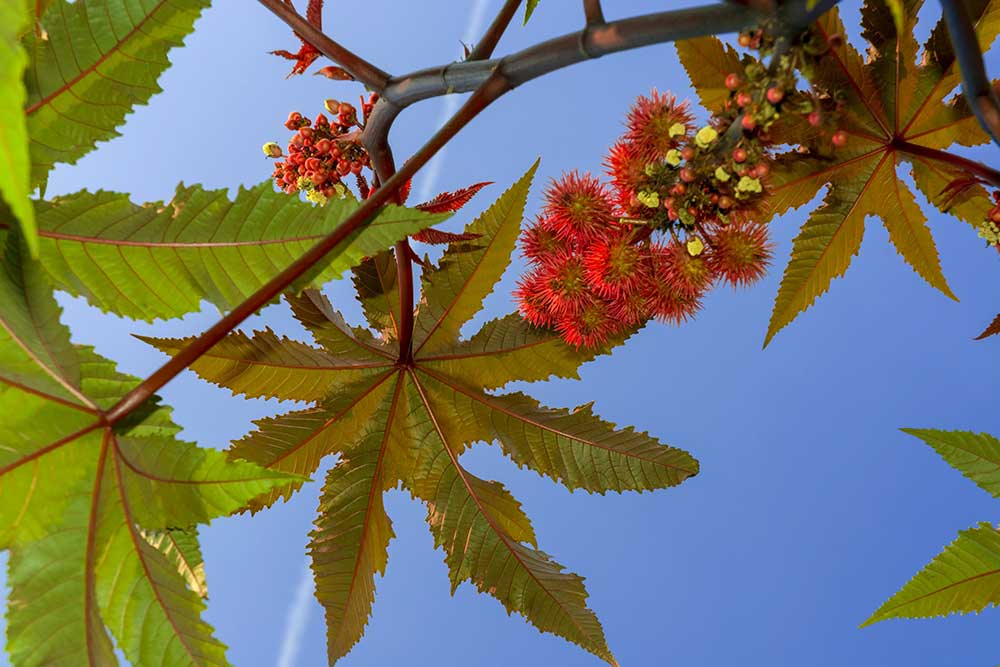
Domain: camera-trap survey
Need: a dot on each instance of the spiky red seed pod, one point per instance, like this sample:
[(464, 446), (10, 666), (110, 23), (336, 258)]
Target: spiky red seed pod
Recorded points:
[(579, 207), (741, 253), (631, 309), (564, 284), (686, 274), (531, 301), (627, 171), (733, 81), (540, 243), (590, 327), (649, 123), (614, 266), (667, 304)]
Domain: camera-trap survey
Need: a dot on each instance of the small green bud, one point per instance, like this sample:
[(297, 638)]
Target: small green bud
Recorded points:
[(677, 130), (721, 174), (673, 157), (272, 149)]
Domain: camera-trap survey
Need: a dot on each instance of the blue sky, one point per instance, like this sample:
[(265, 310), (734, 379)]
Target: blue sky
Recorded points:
[(811, 507)]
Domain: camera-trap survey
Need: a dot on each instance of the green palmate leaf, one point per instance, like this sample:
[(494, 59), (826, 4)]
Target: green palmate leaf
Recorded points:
[(92, 63), (468, 271), (408, 423), (975, 455), (80, 498), (181, 548), (378, 290), (162, 260), (15, 165), (896, 111), (965, 577)]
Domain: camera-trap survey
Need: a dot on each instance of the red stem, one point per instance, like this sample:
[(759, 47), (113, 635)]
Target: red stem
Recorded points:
[(988, 174), (593, 12), (484, 47)]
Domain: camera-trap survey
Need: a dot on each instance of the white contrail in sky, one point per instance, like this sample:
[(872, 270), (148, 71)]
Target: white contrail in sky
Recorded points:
[(450, 105), (298, 617), (298, 614)]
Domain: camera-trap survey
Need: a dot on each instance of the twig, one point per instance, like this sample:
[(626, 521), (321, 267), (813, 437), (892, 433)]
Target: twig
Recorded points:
[(484, 47), (362, 70), (593, 13), (975, 83), (491, 89)]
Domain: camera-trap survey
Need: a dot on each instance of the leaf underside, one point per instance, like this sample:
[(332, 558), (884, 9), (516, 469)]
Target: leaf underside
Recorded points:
[(891, 99), (99, 519), (92, 63), (161, 260), (394, 424), (15, 163), (965, 577)]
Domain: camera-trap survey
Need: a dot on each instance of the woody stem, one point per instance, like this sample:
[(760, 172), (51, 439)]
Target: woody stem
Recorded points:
[(988, 174)]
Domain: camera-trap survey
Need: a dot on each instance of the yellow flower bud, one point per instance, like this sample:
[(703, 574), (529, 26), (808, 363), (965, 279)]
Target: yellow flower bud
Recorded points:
[(649, 199), (695, 246), (748, 184), (673, 157), (677, 129), (705, 137), (721, 174), (272, 149), (317, 197)]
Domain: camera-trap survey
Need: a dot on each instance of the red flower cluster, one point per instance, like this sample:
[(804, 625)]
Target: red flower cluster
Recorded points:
[(597, 269), (322, 153)]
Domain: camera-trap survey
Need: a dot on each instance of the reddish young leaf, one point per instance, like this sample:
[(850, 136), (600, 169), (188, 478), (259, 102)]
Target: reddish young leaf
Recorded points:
[(992, 330), (307, 53), (439, 237), (335, 73), (449, 202)]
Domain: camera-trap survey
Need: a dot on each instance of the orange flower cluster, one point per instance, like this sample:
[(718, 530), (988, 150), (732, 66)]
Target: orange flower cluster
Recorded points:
[(323, 153)]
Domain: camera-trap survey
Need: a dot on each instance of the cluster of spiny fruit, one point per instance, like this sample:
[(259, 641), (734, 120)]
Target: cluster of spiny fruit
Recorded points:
[(322, 153), (678, 215)]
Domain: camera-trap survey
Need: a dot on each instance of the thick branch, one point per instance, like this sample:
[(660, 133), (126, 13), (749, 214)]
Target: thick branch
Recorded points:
[(484, 47), (491, 89), (359, 68), (592, 42), (975, 83)]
